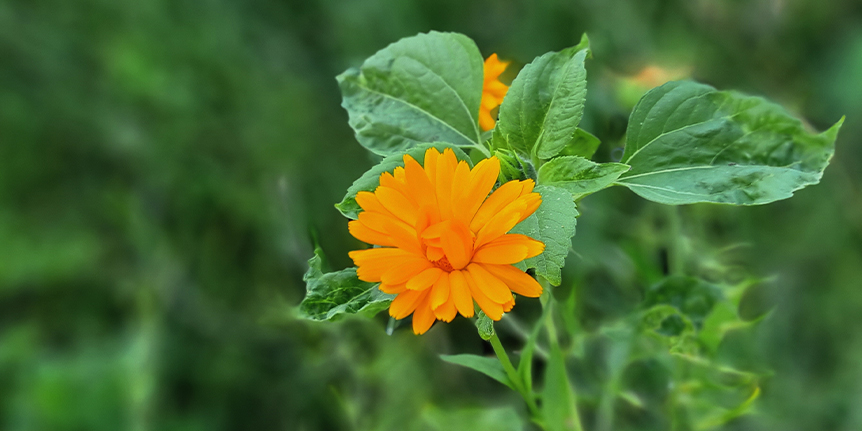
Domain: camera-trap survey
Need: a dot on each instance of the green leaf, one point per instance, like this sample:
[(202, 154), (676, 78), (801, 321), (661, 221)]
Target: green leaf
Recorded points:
[(424, 88), (545, 103), (578, 175), (553, 224), (485, 325), (582, 144), (331, 295), (371, 178), (558, 399), (490, 367), (688, 143)]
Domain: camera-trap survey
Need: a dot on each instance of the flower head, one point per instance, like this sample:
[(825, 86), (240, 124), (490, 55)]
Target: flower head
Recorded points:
[(493, 91), (442, 244)]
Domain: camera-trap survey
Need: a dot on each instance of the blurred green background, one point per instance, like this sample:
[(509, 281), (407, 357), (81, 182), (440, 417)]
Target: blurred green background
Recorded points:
[(164, 165)]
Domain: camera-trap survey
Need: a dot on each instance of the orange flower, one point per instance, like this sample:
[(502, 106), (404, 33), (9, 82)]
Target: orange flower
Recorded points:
[(442, 244), (493, 91)]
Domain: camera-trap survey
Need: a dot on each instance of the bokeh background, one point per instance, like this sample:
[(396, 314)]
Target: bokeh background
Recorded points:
[(165, 166)]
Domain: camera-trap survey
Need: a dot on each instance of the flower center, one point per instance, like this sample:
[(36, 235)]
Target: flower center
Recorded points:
[(443, 264)]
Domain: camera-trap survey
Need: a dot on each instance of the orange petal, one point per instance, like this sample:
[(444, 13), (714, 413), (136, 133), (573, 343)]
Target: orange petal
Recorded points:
[(508, 249), (533, 200), (423, 317), (517, 280), (501, 223), (430, 164), (491, 286), (434, 253), (473, 193), (457, 243), (366, 234), (459, 291), (447, 311), (397, 204), (369, 202), (446, 165), (405, 271), (491, 308), (373, 262), (406, 302), (421, 189), (440, 292), (498, 200), (507, 307), (392, 289), (424, 279)]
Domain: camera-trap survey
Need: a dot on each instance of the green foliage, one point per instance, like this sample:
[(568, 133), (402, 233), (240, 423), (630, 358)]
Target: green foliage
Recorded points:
[(687, 143), (332, 295), (371, 179), (485, 325), (490, 367), (578, 175), (424, 88), (582, 144), (545, 103), (553, 224)]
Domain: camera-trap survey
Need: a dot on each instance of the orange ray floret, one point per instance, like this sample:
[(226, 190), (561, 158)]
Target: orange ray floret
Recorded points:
[(493, 91), (443, 241)]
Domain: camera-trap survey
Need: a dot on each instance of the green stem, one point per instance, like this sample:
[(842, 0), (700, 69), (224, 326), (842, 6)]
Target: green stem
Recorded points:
[(513, 376), (483, 149), (551, 327)]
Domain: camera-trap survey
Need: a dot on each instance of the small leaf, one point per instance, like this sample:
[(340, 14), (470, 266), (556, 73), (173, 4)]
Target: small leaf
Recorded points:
[(582, 144), (545, 103), (687, 142), (553, 224), (371, 178), (424, 88), (578, 175), (511, 167), (490, 367), (558, 399), (331, 295), (485, 325)]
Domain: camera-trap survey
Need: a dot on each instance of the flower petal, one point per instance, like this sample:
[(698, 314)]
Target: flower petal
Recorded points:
[(491, 286), (366, 234), (498, 200), (447, 311), (440, 291), (457, 243), (424, 279), (491, 308), (459, 291), (398, 204), (508, 249), (406, 302), (470, 195), (517, 280), (423, 317), (410, 268)]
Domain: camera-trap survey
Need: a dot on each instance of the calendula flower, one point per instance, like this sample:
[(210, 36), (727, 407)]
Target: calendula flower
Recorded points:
[(442, 244), (493, 91)]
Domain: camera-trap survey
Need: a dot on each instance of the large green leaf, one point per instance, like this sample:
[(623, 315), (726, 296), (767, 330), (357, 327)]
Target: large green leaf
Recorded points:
[(490, 367), (424, 88), (578, 175), (688, 143), (331, 295), (545, 103), (553, 224), (371, 178)]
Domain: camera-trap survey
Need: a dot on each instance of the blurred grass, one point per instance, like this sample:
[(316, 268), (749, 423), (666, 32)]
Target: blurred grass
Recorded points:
[(162, 164)]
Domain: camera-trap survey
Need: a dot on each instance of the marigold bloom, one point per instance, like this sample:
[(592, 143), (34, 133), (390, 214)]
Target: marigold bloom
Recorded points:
[(493, 91), (442, 244)]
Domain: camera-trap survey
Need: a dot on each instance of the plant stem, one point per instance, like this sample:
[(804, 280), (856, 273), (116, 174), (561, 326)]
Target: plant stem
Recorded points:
[(550, 326), (513, 376)]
